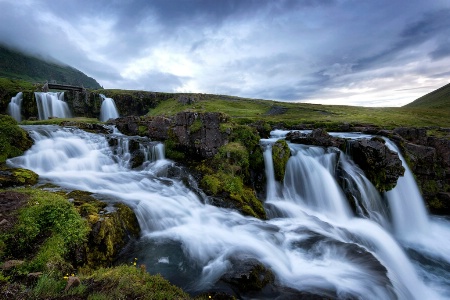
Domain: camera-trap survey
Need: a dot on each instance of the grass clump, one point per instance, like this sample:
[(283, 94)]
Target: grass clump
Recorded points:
[(58, 121), (129, 282)]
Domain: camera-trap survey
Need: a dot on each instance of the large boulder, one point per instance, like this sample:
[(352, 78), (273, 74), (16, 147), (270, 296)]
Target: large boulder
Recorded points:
[(247, 275), (112, 228), (200, 134), (127, 125), (318, 137), (382, 166), (158, 128)]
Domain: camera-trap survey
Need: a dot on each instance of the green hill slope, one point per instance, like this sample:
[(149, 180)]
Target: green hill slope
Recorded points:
[(17, 65), (439, 99)]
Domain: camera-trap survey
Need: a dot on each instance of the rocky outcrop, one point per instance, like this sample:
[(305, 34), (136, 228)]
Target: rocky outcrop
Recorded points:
[(196, 134), (127, 125), (382, 166), (112, 228), (247, 275), (318, 137), (199, 134), (10, 177), (429, 160)]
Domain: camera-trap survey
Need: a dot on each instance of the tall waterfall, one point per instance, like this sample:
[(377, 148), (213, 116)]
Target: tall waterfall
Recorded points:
[(108, 109), (313, 242), (15, 106), (52, 104)]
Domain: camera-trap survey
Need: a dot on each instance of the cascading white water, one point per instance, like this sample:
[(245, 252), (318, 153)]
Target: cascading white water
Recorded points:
[(15, 106), (309, 181), (108, 110), (51, 105), (367, 199), (411, 219), (427, 237), (193, 243)]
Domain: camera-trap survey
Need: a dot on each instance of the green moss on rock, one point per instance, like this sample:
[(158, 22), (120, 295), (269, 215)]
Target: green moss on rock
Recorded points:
[(10, 177), (280, 155), (13, 139), (109, 234)]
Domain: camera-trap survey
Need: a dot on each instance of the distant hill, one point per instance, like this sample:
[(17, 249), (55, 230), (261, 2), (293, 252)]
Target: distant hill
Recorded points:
[(17, 65), (438, 99)]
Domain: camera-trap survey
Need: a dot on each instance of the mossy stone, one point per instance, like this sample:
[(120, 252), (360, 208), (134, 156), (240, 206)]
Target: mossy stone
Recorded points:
[(280, 155)]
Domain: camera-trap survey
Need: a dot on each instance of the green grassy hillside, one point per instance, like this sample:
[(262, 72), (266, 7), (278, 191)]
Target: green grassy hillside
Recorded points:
[(17, 65), (290, 114), (438, 99)]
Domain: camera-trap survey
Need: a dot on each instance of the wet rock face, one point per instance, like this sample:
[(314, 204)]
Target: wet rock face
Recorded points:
[(127, 125), (429, 160), (248, 275), (382, 166)]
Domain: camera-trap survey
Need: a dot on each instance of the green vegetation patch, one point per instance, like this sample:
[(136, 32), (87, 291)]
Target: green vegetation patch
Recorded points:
[(47, 230), (280, 155), (131, 282), (331, 117), (13, 139), (227, 175), (437, 99)]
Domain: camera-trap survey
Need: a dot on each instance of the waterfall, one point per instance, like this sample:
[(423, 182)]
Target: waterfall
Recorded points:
[(314, 245), (51, 105), (414, 227), (15, 106), (411, 219), (108, 109)]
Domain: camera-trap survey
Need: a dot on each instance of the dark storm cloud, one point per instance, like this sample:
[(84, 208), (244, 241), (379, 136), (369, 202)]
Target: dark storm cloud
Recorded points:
[(430, 26), (284, 50)]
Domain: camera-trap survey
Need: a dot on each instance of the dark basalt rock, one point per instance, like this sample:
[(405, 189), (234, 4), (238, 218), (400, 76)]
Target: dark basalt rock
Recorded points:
[(382, 166), (318, 137), (199, 134), (248, 274), (158, 128), (429, 160), (127, 125)]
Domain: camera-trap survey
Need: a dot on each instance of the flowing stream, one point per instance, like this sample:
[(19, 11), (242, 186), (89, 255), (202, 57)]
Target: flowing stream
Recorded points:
[(312, 242)]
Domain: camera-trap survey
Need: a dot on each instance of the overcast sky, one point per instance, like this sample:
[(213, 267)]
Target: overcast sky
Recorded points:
[(352, 52)]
